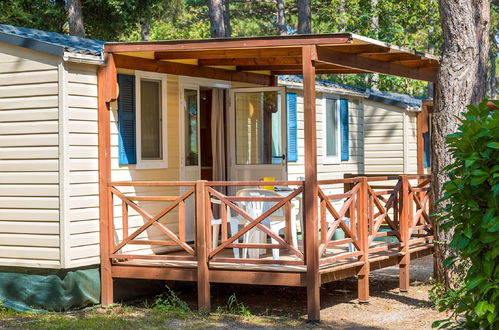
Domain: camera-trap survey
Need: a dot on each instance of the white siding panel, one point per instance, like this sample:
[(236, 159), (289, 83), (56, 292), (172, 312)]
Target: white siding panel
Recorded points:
[(29, 153), (28, 90), (27, 140), (31, 165), (29, 190), (28, 215), (29, 127), (29, 177), (28, 115), (35, 102), (22, 227), (29, 240), (27, 252), (29, 203), (20, 78)]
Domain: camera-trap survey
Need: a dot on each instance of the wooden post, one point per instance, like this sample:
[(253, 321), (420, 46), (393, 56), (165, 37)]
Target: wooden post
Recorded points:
[(106, 84), (363, 235), (201, 249), (404, 233), (310, 194)]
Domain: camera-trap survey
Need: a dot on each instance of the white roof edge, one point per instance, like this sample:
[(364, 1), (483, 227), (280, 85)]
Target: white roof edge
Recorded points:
[(394, 47), (83, 58)]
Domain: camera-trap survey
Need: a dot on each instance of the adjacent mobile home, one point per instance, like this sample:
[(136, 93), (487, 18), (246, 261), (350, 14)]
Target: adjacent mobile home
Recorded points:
[(172, 121)]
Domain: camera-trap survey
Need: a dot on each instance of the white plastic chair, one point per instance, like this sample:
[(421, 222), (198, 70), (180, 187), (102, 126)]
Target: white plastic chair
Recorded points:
[(234, 224), (276, 221)]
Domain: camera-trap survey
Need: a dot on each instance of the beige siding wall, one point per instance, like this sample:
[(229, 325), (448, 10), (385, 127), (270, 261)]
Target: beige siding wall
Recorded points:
[(390, 139), (82, 181), (330, 171), (29, 177)]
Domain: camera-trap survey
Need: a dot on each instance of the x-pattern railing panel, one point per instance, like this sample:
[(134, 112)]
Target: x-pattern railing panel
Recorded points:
[(229, 242), (152, 220), (328, 231), (382, 216)]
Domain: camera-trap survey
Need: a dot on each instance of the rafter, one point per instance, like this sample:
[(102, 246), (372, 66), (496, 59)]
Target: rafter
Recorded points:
[(136, 63), (229, 53), (361, 63)]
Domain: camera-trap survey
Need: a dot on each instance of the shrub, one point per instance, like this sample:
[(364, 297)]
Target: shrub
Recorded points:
[(472, 213)]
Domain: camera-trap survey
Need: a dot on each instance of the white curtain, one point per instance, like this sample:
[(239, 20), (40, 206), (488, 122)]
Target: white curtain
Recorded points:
[(218, 134)]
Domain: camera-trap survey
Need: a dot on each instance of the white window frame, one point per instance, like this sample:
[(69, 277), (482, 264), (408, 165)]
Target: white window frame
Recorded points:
[(331, 160), (151, 163)]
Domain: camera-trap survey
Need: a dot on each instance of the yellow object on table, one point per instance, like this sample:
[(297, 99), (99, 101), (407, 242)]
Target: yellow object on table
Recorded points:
[(269, 178)]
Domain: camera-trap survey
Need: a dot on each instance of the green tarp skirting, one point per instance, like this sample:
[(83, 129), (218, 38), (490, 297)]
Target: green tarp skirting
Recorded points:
[(29, 289)]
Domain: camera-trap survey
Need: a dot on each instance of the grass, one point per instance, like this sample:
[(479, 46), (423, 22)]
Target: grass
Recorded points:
[(167, 311)]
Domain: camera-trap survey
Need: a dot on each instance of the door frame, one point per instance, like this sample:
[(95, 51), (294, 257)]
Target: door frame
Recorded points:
[(196, 84), (231, 155)]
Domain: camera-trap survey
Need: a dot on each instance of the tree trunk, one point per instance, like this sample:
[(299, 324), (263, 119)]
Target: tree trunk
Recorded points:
[(282, 29), (492, 72), (374, 26), (144, 30), (217, 24), (431, 45), (461, 81), (342, 11), (228, 28), (75, 18), (304, 17)]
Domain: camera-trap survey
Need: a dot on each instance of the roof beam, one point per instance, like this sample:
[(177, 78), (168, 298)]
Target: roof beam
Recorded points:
[(318, 66), (250, 61), (320, 71), (358, 49), (137, 63), (224, 43), (361, 63), (229, 53)]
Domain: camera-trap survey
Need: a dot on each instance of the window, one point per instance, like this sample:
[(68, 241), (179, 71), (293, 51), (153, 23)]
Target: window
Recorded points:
[(259, 127), (150, 91), (191, 114), (331, 131)]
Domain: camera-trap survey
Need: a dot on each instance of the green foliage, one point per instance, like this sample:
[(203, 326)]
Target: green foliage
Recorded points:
[(234, 307), (46, 15), (471, 212), (171, 304)]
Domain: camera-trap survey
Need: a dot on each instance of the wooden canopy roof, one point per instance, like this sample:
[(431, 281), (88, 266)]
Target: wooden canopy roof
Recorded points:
[(258, 59)]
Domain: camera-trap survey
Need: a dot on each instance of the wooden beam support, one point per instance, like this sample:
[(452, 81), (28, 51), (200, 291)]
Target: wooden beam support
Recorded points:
[(299, 72), (213, 44), (229, 54), (363, 232), (137, 63), (405, 220), (310, 186), (106, 84), (251, 61), (202, 237), (284, 67), (325, 55)]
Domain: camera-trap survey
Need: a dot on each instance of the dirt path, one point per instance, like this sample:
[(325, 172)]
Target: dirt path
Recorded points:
[(387, 309)]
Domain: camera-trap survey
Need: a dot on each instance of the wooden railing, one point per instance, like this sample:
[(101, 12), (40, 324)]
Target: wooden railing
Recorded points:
[(170, 203), (251, 223), (374, 213)]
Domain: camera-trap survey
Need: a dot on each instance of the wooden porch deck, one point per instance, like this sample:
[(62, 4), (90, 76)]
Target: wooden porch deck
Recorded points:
[(385, 221)]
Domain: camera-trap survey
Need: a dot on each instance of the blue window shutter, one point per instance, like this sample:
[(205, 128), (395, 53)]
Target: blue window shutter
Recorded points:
[(126, 120), (292, 121), (426, 144), (345, 152)]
